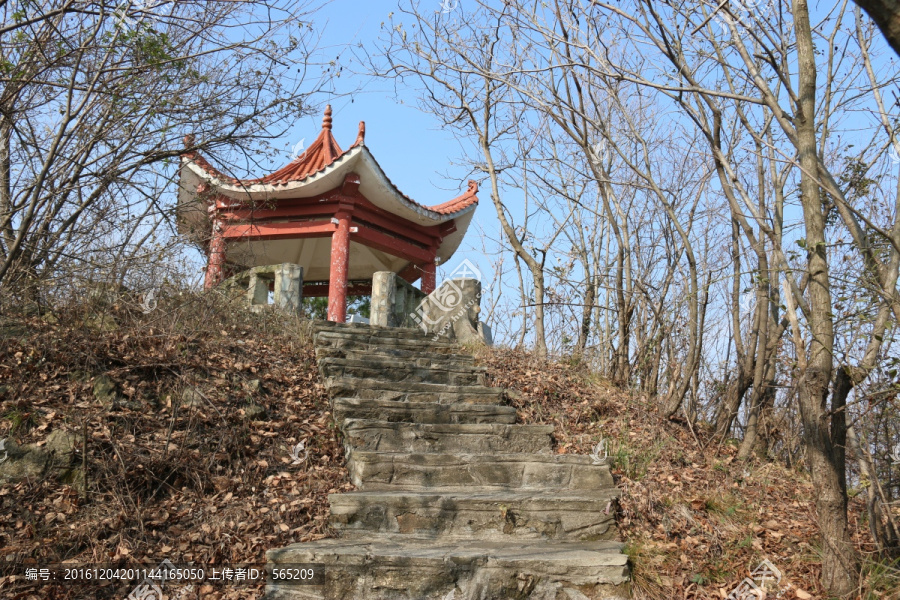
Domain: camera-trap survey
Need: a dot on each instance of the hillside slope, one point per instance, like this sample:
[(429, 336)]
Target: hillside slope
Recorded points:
[(191, 418), (192, 413), (697, 521)]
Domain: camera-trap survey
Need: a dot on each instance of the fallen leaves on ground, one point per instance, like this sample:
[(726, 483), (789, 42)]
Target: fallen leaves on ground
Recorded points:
[(697, 522), (176, 468)]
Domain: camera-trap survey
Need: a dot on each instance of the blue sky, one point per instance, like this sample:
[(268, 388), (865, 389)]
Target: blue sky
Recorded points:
[(409, 144)]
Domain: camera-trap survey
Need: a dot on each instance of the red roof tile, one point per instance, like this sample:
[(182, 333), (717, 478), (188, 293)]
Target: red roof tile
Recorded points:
[(321, 153), (466, 200)]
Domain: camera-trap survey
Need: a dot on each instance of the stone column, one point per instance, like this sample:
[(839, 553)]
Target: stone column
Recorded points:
[(340, 265), (257, 291), (216, 263), (383, 298), (288, 287)]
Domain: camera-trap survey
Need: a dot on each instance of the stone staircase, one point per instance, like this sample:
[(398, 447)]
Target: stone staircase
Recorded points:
[(455, 502)]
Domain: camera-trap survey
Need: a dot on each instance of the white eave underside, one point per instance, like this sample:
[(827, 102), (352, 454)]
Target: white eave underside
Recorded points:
[(375, 186)]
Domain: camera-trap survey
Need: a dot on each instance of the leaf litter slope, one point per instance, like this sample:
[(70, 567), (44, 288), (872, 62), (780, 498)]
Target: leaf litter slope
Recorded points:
[(189, 458), (696, 521), (192, 460)]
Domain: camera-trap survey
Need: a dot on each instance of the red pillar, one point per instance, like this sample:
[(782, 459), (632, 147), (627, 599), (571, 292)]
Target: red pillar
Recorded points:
[(340, 264), (216, 264), (429, 277)]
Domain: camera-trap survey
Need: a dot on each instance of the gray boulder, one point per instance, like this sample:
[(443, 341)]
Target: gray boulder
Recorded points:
[(55, 458)]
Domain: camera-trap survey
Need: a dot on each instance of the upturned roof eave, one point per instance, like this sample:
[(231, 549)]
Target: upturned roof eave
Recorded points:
[(354, 158)]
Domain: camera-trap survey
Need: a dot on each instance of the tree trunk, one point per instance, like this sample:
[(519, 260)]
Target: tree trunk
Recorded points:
[(540, 337), (537, 271), (6, 229), (839, 562), (621, 367), (883, 531), (587, 310), (886, 14)]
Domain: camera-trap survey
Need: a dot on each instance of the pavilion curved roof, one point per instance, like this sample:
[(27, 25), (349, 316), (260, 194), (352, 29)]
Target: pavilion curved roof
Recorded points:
[(319, 168)]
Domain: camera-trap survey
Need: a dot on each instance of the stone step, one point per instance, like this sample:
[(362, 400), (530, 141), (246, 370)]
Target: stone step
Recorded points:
[(548, 514), (396, 371), (364, 344), (419, 357), (403, 568), (456, 501), (380, 337), (365, 329), (445, 472), (385, 436), (411, 391), (421, 412)]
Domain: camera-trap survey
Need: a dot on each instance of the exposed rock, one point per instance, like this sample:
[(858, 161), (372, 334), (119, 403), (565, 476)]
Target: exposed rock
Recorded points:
[(104, 323), (255, 412), (105, 391), (56, 458), (192, 397), (21, 462), (62, 443)]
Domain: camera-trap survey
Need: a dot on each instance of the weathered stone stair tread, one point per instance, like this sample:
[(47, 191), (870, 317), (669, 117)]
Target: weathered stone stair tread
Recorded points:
[(385, 436), (395, 354), (435, 398), (421, 412), (433, 471), (340, 342), (363, 329), (478, 515), (329, 339), (400, 568), (591, 557), (362, 333), (394, 362), (542, 497), (340, 384), (398, 371)]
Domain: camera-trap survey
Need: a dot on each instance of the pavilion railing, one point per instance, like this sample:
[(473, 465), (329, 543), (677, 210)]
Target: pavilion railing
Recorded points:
[(284, 279), (394, 301)]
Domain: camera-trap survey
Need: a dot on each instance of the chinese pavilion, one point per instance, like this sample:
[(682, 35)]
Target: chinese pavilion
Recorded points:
[(333, 212)]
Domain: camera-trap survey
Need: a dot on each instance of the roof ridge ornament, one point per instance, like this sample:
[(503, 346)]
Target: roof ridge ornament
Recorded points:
[(326, 120), (361, 136)]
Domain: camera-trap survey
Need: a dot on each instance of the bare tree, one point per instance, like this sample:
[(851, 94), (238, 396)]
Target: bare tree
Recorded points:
[(95, 98), (762, 113), (451, 61), (763, 51)]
